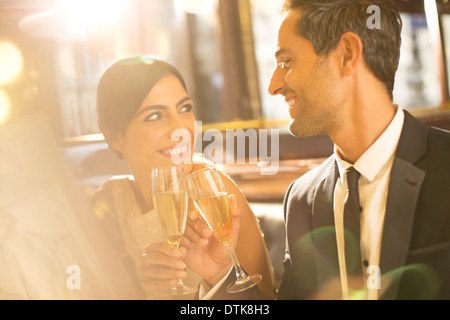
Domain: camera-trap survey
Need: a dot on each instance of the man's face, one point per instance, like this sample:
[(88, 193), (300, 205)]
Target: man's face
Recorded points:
[(306, 80)]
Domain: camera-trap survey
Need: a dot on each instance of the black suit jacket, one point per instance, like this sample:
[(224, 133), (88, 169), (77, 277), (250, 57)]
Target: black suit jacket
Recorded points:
[(415, 252)]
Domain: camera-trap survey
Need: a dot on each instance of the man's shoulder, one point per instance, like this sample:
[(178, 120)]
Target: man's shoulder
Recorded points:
[(436, 160), (441, 138), (305, 185), (436, 151)]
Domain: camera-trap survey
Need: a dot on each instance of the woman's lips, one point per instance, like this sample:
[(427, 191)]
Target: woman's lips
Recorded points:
[(177, 151)]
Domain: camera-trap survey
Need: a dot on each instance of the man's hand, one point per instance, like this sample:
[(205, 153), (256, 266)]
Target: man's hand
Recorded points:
[(205, 254)]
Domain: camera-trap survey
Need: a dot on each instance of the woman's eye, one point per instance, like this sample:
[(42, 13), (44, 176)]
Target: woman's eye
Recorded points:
[(186, 108), (154, 116)]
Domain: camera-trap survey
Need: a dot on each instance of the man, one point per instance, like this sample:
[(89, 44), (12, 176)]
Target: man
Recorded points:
[(337, 76)]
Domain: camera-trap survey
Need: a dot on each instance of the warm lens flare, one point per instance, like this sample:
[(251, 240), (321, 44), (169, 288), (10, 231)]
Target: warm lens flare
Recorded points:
[(11, 61), (5, 106)]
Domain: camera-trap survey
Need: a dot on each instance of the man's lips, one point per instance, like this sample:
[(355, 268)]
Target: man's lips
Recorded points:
[(291, 101)]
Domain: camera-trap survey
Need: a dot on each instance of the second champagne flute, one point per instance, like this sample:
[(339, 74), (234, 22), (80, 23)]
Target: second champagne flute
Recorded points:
[(171, 204), (210, 198)]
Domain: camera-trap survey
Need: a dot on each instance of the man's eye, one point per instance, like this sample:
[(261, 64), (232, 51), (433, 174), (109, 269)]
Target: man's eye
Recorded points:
[(284, 64)]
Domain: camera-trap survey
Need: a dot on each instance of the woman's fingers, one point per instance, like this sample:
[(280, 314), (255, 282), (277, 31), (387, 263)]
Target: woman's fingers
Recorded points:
[(161, 272), (161, 249), (160, 266), (164, 247)]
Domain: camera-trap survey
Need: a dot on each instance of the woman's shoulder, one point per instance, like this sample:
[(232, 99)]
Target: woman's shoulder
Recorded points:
[(103, 197), (106, 189)]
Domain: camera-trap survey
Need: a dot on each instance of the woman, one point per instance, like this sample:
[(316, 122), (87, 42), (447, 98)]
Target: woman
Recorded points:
[(141, 101)]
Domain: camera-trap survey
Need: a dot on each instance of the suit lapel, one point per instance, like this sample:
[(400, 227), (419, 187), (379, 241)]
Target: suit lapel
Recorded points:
[(405, 185), (404, 189)]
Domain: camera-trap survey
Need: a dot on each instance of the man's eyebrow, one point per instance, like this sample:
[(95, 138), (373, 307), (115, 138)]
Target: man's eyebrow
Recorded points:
[(160, 106), (279, 52)]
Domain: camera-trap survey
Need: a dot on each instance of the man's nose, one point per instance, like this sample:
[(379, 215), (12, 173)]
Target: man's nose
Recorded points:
[(277, 82)]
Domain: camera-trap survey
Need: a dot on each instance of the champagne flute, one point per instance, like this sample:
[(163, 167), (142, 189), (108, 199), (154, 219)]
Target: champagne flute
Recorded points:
[(210, 198), (171, 204)]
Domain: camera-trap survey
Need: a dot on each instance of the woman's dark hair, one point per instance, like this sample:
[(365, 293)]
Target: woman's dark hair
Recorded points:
[(123, 87)]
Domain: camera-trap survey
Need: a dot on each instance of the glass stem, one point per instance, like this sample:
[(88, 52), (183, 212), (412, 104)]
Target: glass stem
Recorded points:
[(241, 275), (180, 283)]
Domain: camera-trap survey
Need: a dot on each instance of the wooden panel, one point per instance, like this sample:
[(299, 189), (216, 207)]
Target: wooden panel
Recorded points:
[(410, 6)]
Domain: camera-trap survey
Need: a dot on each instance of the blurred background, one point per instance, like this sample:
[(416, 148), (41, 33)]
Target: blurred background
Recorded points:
[(53, 52)]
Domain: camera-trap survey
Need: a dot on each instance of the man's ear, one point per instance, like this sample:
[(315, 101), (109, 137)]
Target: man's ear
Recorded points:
[(115, 139), (350, 48)]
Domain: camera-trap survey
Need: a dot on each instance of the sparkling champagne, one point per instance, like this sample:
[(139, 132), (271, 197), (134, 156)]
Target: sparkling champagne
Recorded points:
[(215, 210), (208, 192), (172, 206)]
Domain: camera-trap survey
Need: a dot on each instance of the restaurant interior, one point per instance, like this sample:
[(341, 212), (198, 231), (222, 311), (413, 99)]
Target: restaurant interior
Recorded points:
[(52, 54)]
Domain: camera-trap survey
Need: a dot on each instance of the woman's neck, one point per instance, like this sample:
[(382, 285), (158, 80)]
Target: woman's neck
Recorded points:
[(143, 194)]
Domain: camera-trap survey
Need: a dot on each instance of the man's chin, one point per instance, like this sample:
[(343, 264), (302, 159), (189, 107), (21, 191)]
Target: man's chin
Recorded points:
[(299, 130), (295, 130)]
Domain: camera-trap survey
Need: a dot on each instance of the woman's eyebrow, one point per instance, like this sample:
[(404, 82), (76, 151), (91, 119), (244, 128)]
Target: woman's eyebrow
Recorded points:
[(183, 101), (160, 106), (150, 108)]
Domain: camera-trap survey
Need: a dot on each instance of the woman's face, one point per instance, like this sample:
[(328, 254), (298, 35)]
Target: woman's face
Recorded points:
[(147, 140)]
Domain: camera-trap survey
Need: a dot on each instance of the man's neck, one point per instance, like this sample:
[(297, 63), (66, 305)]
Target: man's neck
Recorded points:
[(361, 130)]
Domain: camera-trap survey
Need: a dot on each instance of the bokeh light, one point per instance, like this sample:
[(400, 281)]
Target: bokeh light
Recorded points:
[(86, 15), (72, 20), (5, 106), (11, 62)]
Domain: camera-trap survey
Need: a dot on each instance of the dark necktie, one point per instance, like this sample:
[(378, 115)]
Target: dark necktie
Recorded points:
[(352, 211)]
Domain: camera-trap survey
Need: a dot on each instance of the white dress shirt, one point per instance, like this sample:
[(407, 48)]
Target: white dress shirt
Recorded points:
[(375, 167)]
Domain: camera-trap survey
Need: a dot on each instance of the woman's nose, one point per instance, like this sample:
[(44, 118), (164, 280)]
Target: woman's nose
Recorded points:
[(176, 122), (178, 126)]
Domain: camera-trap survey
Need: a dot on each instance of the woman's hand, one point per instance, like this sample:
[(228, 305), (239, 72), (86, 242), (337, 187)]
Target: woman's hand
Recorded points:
[(205, 254), (161, 266)]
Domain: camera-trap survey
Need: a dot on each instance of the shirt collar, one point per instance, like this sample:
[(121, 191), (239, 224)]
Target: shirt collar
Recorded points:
[(375, 158)]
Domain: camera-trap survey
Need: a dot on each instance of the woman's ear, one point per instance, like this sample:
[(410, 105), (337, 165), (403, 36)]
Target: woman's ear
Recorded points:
[(351, 52), (115, 139)]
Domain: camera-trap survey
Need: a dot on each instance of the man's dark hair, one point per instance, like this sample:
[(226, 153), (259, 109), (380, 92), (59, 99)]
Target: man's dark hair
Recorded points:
[(322, 22)]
